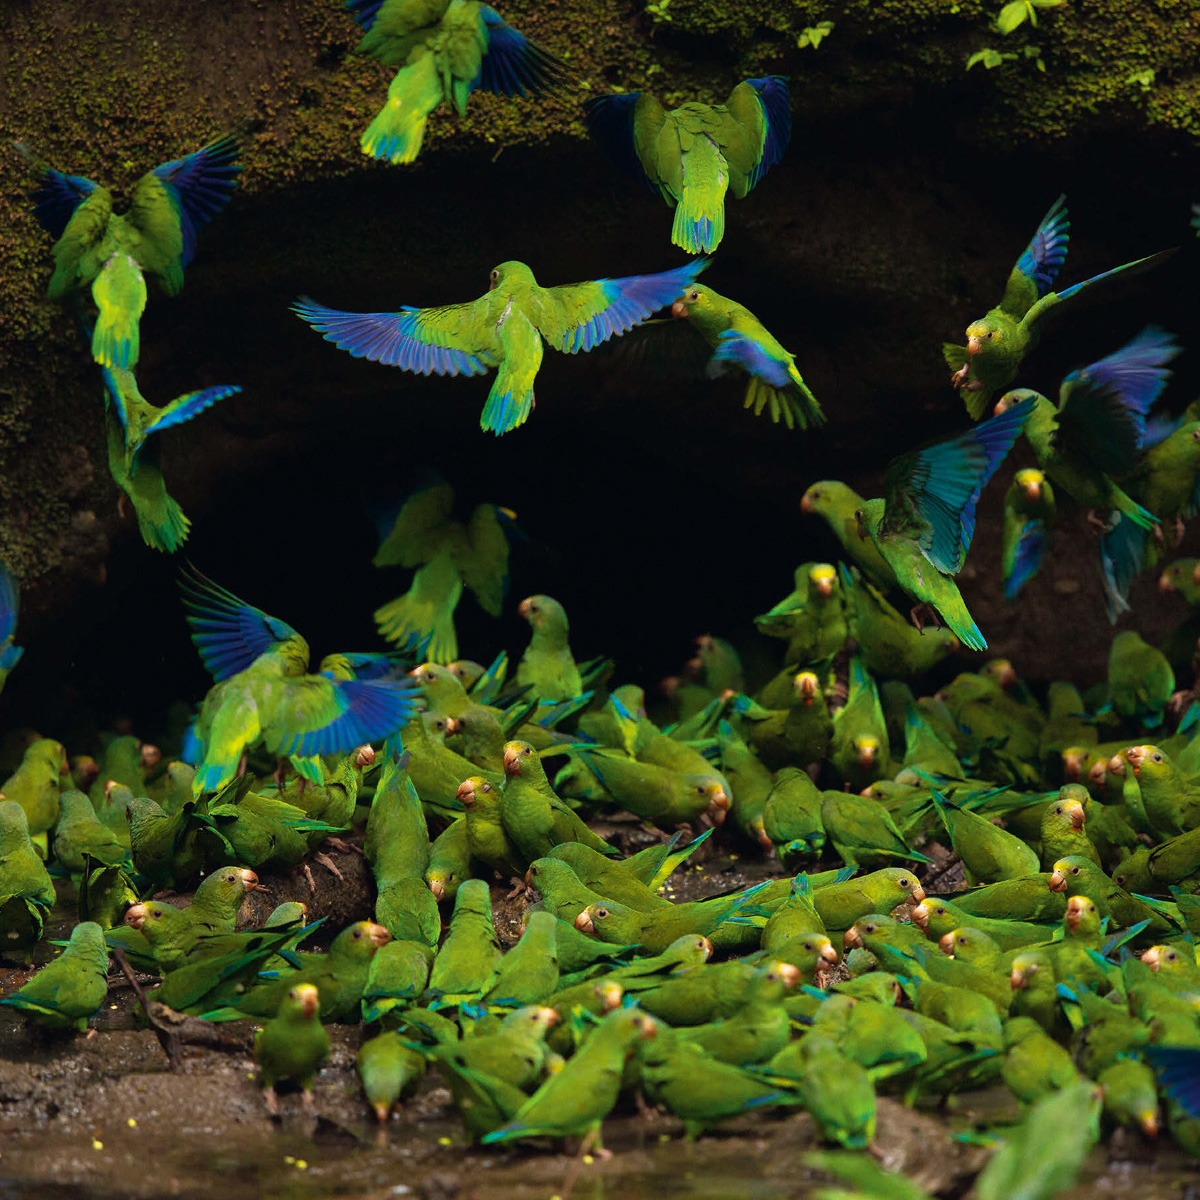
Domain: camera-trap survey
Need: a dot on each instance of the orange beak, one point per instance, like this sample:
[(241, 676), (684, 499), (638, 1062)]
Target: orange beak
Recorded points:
[(150, 754), (364, 756), (1016, 979), (465, 793), (525, 608), (512, 761), (1164, 583), (946, 942), (248, 878), (974, 345), (851, 939), (135, 916), (1152, 958), (1058, 881), (806, 505), (584, 924), (789, 974), (438, 888), (679, 309), (829, 954), (1077, 816), (920, 917), (378, 934), (824, 585)]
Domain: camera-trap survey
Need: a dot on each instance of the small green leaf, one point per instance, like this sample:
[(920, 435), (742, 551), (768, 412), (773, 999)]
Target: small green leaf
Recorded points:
[(814, 35), (1144, 79), (988, 57), (1013, 15)]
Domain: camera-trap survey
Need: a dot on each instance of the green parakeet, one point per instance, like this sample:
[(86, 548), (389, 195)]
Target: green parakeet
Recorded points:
[(110, 251), (923, 526), (445, 49), (467, 960), (390, 1071), (1034, 1063), (26, 889), (71, 988), (691, 155), (837, 1093), (34, 785), (547, 667), (1140, 679), (741, 342), (263, 691), (838, 504), (504, 329), (292, 1045), (1029, 509), (998, 342)]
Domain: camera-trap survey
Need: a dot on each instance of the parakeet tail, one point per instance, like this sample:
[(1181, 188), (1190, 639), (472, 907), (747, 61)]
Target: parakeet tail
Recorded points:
[(510, 401), (1132, 509), (1122, 551), (961, 624), (167, 534), (119, 291), (700, 213), (396, 133), (412, 632)]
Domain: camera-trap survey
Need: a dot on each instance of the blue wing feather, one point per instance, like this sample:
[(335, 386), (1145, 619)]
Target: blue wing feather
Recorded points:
[(56, 198), (374, 664), (1122, 549), (512, 64), (189, 406), (371, 710), (631, 299), (9, 606), (941, 485), (1031, 548), (737, 348), (775, 99), (116, 396), (1047, 249), (200, 186), (364, 11), (229, 633), (396, 339), (1178, 1070)]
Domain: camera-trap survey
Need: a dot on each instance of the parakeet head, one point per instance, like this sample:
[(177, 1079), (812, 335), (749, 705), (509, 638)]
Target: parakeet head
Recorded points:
[(590, 917), (807, 687), (1012, 399), (471, 790), (1177, 574), (543, 611), (1024, 967), (150, 755), (1067, 870), (823, 579), (1098, 775), (1073, 762), (695, 299), (364, 756), (609, 992), (511, 274), (1067, 810), (442, 881), (361, 939), (465, 671), (982, 336), (718, 798), (1146, 760), (227, 886), (304, 1000), (84, 771), (521, 757), (866, 748), (1001, 671), (829, 496), (1080, 912), (1163, 958), (535, 1019)]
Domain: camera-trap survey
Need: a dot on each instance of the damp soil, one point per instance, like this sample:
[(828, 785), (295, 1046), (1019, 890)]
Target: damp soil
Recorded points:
[(105, 1114)]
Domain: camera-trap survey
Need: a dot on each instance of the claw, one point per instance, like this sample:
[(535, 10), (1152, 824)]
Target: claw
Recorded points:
[(328, 864)]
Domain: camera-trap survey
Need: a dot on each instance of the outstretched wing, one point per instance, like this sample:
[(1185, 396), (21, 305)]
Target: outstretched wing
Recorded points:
[(331, 716), (758, 134), (930, 494), (200, 185), (1024, 549), (1047, 250), (57, 194), (483, 562), (457, 339), (1178, 1070), (579, 316), (229, 633), (418, 529), (1103, 406), (620, 123), (512, 64), (191, 404)]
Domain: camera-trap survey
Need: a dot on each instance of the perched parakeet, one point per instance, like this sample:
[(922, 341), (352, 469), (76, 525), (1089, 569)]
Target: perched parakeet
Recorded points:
[(838, 504), (998, 342), (445, 49), (390, 1071), (989, 854), (838, 1093), (109, 252), (34, 785), (739, 341), (502, 329), (292, 1045), (446, 555), (923, 527), (26, 889), (547, 667), (1029, 509), (1140, 679), (71, 988), (693, 154), (10, 595), (264, 693)]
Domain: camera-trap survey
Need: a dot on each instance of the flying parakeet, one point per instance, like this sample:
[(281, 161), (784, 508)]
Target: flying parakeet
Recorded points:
[(446, 555), (1028, 518), (998, 342), (503, 329), (923, 527), (110, 251), (263, 691), (693, 154), (445, 49)]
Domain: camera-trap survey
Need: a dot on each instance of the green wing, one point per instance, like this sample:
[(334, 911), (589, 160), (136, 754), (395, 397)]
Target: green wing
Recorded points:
[(419, 529), (84, 232), (484, 561)]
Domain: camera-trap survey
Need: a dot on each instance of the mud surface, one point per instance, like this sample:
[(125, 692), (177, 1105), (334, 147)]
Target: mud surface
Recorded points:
[(105, 1115)]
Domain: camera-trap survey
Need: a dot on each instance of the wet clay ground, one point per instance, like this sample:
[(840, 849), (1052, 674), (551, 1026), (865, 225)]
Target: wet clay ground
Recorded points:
[(105, 1115)]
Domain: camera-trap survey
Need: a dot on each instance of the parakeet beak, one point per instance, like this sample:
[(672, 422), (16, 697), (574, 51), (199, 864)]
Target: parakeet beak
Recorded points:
[(364, 756), (824, 584), (108, 788), (806, 504), (866, 754), (525, 608), (946, 942), (720, 800), (512, 760), (1077, 817), (1149, 1124), (150, 754), (1152, 958), (1098, 776), (1116, 765), (1058, 881), (249, 878), (135, 916), (1074, 912), (1072, 761), (378, 934), (763, 840), (453, 726), (806, 685), (679, 309), (1164, 582), (549, 1015), (669, 685), (1033, 490), (918, 893), (583, 923), (1016, 978), (1005, 675), (438, 888), (920, 916), (1135, 756), (610, 995), (851, 939), (829, 954), (974, 345), (649, 1028), (465, 793), (309, 998)]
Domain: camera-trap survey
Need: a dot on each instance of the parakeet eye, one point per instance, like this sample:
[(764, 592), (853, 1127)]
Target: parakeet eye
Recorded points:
[(700, 789), (1156, 758), (156, 915), (527, 752), (906, 883), (487, 787), (870, 928), (808, 945), (1119, 880), (495, 276), (357, 935), (601, 912), (1074, 870), (1058, 809), (694, 296), (1172, 956)]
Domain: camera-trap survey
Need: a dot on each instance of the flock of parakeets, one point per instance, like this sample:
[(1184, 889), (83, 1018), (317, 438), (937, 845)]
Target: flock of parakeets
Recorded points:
[(1061, 963)]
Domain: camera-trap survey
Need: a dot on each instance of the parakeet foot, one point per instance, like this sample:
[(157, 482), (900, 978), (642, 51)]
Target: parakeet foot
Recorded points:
[(272, 1101), (328, 864), (1097, 522), (959, 377), (922, 614), (343, 847), (519, 888), (312, 887)]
